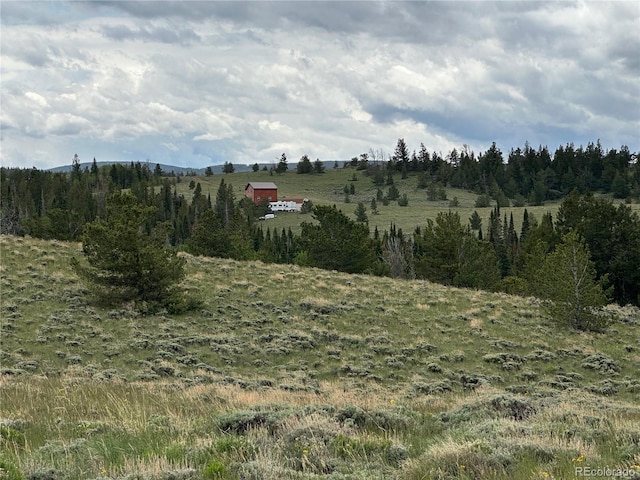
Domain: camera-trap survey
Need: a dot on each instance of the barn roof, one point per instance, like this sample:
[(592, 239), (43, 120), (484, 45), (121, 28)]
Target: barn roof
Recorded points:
[(262, 186)]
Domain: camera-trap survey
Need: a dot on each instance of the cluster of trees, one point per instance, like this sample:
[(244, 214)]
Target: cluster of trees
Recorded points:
[(49, 204), (526, 174), (305, 165), (572, 261), (448, 249)]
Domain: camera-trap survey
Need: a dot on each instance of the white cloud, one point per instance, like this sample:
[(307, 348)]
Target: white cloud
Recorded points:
[(201, 82), (37, 98)]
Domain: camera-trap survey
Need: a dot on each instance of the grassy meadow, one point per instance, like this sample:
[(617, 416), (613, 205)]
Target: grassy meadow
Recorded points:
[(328, 189), (295, 373)]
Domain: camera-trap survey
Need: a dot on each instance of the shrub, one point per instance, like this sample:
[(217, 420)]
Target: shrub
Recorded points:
[(433, 388), (453, 459), (601, 362), (11, 436), (8, 471), (512, 407), (351, 414), (483, 201), (214, 470), (243, 421)]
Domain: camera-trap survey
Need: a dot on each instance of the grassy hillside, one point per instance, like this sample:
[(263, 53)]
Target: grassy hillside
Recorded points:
[(327, 188), (293, 373)]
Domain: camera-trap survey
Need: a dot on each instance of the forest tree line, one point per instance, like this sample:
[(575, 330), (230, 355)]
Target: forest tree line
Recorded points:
[(448, 250)]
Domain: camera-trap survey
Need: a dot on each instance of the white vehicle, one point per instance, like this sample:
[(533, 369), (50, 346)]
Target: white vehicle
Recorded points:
[(268, 216), (283, 206)]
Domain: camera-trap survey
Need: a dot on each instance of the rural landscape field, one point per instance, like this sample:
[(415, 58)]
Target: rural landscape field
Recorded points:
[(288, 372), (342, 240), (328, 189)]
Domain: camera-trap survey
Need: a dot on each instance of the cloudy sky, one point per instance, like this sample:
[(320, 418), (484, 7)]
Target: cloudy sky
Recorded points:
[(200, 83)]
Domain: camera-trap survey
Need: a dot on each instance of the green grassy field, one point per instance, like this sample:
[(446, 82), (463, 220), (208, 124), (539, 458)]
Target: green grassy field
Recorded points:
[(327, 189), (294, 373)]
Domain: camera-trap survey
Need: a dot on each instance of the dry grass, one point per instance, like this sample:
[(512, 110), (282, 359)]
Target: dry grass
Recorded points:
[(381, 378)]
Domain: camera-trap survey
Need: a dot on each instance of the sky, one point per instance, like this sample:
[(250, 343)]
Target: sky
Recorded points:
[(198, 83)]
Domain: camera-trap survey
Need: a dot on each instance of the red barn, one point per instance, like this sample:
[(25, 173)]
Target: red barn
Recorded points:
[(260, 191)]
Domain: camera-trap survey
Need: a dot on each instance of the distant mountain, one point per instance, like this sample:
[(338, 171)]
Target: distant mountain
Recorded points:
[(169, 169)]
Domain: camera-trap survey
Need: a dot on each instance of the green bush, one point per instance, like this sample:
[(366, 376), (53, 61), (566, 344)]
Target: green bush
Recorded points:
[(8, 471), (214, 470), (241, 422), (9, 435)]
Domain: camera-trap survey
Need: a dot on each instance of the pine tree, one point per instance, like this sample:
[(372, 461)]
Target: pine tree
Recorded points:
[(401, 155), (361, 213), (393, 193), (568, 279), (304, 165), (336, 242), (127, 258), (282, 164)]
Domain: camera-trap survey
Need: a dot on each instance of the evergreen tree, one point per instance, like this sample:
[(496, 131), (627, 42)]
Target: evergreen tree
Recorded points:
[(393, 193), (307, 206), (401, 155), (389, 176), (282, 164), (94, 168), (436, 256), (446, 252), (378, 176), (478, 265), (475, 221), (620, 186), (361, 213), (225, 203), (224, 230), (525, 225), (612, 235), (304, 165), (336, 242), (76, 172), (568, 279), (422, 181), (127, 258), (432, 192)]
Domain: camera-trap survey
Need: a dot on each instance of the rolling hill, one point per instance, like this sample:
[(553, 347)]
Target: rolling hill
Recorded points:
[(294, 373)]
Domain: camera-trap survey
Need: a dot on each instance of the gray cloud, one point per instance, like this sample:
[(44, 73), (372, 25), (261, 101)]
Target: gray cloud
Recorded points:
[(152, 33), (200, 82)]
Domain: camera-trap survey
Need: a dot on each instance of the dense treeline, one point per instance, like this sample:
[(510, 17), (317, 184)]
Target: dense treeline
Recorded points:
[(527, 175), (448, 250)]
